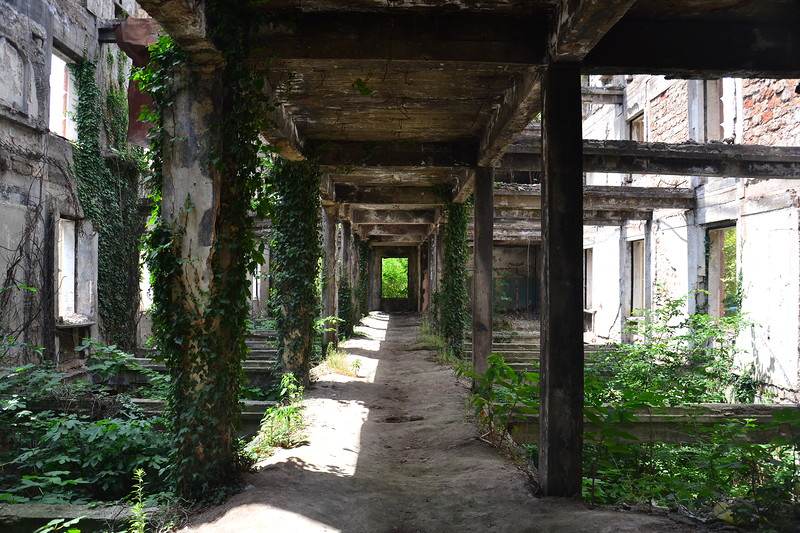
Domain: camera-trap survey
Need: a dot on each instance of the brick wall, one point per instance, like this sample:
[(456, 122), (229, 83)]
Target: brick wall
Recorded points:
[(771, 112), (668, 120)]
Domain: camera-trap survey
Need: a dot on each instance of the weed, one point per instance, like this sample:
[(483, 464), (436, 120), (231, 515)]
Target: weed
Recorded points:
[(282, 425)]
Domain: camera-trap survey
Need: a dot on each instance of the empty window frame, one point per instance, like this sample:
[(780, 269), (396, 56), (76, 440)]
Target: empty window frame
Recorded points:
[(76, 263), (63, 98), (636, 130), (638, 278), (588, 266), (724, 297)]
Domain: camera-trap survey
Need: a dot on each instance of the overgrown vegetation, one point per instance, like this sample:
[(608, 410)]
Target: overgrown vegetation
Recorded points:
[(675, 360), (108, 188), (451, 301), (362, 287), (282, 425), (200, 332), (336, 361), (296, 251), (394, 277), (73, 442)]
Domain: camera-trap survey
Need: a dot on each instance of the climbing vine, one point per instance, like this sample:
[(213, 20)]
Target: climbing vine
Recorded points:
[(363, 279), (296, 250), (346, 311), (200, 333), (108, 189), (452, 298)]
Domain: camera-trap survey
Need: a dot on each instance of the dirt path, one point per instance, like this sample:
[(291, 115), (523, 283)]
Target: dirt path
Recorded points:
[(397, 451)]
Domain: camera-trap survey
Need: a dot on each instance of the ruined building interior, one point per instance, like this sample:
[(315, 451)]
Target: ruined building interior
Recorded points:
[(610, 142)]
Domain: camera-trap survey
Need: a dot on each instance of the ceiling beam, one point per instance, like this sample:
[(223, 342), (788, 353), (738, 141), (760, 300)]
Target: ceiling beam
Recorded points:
[(388, 240), (698, 49), (602, 95), (397, 35), (580, 24), (282, 133), (381, 230), (713, 159), (521, 103), (402, 197), (393, 153), (601, 197), (462, 185), (393, 216), (185, 21)]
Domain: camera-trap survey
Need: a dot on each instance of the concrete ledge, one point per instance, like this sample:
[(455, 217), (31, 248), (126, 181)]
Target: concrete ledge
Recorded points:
[(27, 517)]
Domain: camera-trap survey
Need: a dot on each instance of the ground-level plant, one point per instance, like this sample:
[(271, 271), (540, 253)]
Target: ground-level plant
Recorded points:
[(282, 425)]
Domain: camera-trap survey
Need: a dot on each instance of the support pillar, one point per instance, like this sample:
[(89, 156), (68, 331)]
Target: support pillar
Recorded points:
[(329, 286), (561, 385), (482, 285)]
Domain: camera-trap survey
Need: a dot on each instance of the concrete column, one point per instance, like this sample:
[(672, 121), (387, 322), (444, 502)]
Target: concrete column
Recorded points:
[(482, 286), (561, 386), (329, 285)]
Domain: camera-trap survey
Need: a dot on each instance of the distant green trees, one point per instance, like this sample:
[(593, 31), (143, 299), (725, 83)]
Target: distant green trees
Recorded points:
[(394, 277)]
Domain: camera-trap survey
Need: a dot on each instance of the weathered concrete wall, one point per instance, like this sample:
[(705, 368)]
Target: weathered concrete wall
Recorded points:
[(36, 185)]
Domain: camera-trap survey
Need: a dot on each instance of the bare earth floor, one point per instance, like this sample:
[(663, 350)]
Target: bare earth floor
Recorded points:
[(397, 450)]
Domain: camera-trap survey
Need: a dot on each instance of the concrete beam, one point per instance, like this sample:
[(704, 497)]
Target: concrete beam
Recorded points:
[(579, 25), (601, 198), (396, 35), (698, 49), (402, 197), (689, 159), (376, 230), (463, 185), (521, 102), (392, 216), (185, 21), (391, 154), (602, 95)]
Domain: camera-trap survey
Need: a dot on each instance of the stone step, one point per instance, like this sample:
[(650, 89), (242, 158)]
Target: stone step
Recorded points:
[(252, 412)]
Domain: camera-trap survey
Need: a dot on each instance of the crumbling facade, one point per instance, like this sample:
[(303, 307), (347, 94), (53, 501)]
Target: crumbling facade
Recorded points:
[(740, 243), (48, 246)]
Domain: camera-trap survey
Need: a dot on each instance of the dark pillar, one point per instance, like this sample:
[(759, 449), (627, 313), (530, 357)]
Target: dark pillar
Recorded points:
[(561, 387), (329, 286), (482, 286)]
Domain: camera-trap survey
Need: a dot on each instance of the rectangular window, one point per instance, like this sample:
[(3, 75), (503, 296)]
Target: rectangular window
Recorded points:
[(636, 128), (66, 280), (638, 279), (63, 99), (587, 277), (76, 275), (723, 276)]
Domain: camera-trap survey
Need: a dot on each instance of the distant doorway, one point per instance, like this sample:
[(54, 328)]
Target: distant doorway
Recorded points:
[(394, 284)]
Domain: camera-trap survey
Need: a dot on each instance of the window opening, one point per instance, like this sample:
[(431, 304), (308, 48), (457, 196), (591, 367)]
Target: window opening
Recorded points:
[(637, 278), (67, 266), (587, 277), (723, 277), (394, 277), (63, 99)]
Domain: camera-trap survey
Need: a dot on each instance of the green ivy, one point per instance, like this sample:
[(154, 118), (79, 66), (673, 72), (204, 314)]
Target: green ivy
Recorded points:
[(201, 337), (362, 290), (346, 311), (296, 251), (452, 298), (108, 189)]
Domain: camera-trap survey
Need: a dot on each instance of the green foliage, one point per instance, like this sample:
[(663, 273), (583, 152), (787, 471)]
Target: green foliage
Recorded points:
[(347, 314), (139, 516), (451, 300), (108, 189), (362, 289), (296, 251), (682, 359), (200, 335), (61, 524), (394, 277), (57, 447), (282, 425), (503, 394)]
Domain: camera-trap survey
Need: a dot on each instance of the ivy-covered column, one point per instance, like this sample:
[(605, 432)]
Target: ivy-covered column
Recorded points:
[(295, 214), (200, 283), (453, 288), (329, 285)]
